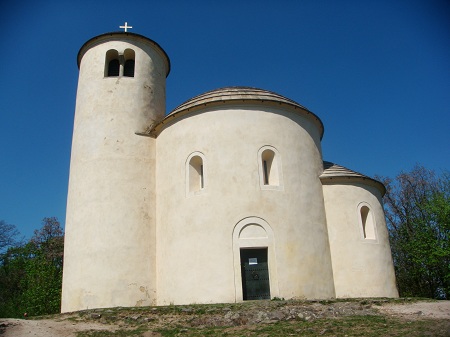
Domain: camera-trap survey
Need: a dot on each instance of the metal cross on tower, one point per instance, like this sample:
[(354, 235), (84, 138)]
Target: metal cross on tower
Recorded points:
[(126, 26)]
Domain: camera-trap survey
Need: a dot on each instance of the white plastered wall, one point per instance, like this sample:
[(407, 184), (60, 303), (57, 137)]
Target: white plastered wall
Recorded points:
[(195, 231), (362, 267)]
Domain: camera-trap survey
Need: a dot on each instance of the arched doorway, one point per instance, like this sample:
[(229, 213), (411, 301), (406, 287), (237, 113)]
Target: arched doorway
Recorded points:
[(254, 260)]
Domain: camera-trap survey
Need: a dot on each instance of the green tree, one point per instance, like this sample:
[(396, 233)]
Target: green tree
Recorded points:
[(8, 236), (417, 206), (31, 273), (12, 272), (43, 280)]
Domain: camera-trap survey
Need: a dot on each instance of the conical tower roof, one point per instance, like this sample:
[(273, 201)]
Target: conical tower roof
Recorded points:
[(333, 172)]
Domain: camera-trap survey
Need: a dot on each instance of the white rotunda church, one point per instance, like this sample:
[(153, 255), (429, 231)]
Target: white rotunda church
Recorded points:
[(225, 199)]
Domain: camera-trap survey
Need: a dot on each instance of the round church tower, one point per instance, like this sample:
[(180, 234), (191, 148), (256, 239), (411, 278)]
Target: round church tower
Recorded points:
[(109, 257), (358, 236)]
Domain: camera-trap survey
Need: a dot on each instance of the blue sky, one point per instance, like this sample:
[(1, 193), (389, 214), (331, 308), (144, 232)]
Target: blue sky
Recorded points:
[(376, 72)]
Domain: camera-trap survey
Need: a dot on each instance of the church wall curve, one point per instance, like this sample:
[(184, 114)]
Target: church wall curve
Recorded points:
[(362, 260), (195, 232)]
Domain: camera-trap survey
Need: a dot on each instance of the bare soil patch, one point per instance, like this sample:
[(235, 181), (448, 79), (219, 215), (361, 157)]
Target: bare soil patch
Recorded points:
[(437, 310), (48, 327)]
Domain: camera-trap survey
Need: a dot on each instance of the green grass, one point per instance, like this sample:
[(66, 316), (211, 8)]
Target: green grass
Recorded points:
[(118, 333), (352, 326), (364, 326)]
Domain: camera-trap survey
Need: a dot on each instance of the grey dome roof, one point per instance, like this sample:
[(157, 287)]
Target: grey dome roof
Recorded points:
[(334, 172), (237, 95)]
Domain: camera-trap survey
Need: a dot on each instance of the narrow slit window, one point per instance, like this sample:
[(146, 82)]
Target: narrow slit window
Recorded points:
[(196, 174), (270, 168), (266, 173), (202, 180), (367, 222)]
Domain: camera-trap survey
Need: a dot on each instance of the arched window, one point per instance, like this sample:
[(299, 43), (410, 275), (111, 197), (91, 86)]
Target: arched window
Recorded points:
[(367, 223), (112, 64), (270, 168), (196, 182), (195, 173), (113, 68), (128, 69), (119, 65)]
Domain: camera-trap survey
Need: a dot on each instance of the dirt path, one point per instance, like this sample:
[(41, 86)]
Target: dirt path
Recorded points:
[(47, 328), (69, 325), (438, 310)]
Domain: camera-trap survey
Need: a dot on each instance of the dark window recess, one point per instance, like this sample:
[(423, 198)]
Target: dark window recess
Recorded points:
[(129, 68), (202, 182), (265, 173), (113, 68)]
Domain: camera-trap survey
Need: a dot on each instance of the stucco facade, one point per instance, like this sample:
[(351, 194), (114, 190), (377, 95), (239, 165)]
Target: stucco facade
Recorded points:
[(225, 199)]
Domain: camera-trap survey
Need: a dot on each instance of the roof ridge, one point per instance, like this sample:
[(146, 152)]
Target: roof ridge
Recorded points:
[(235, 96), (234, 90), (327, 165), (332, 170)]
